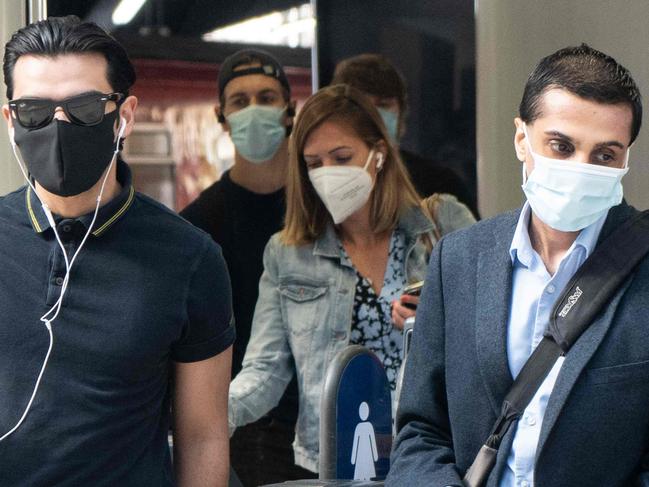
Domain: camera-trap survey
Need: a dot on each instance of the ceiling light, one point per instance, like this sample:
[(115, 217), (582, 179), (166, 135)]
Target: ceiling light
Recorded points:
[(126, 10), (294, 27)]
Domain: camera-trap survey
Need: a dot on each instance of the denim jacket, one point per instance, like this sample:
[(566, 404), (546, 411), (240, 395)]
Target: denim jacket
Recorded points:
[(302, 320)]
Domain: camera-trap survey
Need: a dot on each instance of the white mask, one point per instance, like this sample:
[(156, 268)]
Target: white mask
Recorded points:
[(568, 195), (344, 189)]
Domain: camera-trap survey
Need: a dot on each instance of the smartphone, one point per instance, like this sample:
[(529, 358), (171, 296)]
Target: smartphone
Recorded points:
[(413, 289)]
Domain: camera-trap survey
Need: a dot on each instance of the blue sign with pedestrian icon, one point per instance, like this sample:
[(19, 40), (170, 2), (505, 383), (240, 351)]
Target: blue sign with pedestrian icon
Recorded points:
[(363, 420)]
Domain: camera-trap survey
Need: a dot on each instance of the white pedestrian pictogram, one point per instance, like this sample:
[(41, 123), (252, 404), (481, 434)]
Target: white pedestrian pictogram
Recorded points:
[(364, 452)]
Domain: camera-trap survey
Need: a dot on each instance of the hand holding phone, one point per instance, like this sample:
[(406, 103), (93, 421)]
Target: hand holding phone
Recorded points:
[(413, 289), (405, 307)]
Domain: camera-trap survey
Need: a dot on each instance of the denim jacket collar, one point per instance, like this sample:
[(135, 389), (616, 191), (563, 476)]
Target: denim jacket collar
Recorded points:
[(413, 223)]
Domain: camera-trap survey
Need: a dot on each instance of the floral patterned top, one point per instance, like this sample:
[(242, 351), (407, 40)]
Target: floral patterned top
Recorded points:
[(372, 317)]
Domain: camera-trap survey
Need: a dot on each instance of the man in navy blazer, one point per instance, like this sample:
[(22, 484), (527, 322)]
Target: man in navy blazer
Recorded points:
[(490, 289)]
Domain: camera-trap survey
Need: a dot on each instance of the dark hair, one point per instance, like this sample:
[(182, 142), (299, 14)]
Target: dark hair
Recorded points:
[(69, 35), (269, 66), (587, 73), (375, 75)]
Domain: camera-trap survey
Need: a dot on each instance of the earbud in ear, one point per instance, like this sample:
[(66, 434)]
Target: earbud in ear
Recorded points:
[(379, 160), (122, 127)]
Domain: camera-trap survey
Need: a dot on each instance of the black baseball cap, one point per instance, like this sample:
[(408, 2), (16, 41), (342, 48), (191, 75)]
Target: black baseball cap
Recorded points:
[(269, 67)]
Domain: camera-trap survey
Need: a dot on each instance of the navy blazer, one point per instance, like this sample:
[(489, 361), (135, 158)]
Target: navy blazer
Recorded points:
[(595, 431)]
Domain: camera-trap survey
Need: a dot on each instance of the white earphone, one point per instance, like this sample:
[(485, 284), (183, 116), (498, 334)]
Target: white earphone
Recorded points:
[(122, 127), (53, 312), (379, 161)]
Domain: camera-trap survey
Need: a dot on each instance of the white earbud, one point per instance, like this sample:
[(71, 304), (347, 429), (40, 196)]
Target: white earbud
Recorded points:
[(379, 161), (122, 127)]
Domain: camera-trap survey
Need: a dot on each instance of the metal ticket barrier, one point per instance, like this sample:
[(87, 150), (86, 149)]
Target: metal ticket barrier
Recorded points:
[(408, 328), (355, 418), (355, 423)]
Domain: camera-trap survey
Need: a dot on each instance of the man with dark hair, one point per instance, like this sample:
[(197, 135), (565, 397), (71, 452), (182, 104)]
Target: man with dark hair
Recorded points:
[(376, 76), (241, 211), (106, 296), (490, 292)]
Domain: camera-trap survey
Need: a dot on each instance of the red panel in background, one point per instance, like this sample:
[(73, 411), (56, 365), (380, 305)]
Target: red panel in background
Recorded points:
[(163, 82), (164, 86)]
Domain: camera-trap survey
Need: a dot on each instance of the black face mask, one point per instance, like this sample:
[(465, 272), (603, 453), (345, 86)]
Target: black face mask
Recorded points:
[(67, 159)]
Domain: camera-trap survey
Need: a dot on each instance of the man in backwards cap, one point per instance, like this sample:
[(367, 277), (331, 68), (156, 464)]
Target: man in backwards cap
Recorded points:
[(241, 211)]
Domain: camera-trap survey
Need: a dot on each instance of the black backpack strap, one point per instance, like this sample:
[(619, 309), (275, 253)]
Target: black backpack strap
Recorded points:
[(597, 279), (589, 290)]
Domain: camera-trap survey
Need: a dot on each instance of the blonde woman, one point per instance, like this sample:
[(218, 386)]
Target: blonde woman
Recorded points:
[(354, 237)]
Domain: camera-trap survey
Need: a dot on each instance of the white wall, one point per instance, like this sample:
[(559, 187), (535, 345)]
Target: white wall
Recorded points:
[(512, 36), (12, 17)]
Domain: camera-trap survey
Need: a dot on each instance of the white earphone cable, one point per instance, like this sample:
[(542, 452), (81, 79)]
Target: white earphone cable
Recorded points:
[(56, 308)]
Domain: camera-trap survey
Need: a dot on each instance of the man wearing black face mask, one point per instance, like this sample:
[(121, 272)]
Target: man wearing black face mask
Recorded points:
[(106, 296), (66, 159), (241, 211)]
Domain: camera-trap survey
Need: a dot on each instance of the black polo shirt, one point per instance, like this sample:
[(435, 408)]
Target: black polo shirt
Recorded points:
[(147, 290)]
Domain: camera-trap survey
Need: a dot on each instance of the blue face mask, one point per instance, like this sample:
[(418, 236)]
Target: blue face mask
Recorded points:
[(568, 195), (391, 121), (257, 131)]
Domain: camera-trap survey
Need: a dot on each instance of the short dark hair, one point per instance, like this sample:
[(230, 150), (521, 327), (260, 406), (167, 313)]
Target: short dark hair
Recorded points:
[(69, 35), (270, 67), (375, 75), (587, 73)]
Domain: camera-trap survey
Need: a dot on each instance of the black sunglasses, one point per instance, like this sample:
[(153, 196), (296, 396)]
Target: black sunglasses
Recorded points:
[(87, 109)]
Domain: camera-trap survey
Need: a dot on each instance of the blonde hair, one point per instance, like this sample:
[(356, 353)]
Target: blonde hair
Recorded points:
[(393, 193)]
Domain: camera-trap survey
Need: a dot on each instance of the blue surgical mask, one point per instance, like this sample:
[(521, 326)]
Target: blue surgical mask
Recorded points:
[(568, 195), (257, 131), (391, 121)]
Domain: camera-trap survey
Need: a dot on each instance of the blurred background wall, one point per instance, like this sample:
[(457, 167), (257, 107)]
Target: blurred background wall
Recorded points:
[(13, 15)]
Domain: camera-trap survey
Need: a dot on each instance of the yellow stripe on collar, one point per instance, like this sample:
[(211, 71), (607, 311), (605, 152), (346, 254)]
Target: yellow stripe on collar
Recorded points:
[(119, 213), (35, 224)]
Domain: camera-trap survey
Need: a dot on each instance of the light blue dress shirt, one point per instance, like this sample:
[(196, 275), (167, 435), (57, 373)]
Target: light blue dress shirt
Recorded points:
[(534, 293)]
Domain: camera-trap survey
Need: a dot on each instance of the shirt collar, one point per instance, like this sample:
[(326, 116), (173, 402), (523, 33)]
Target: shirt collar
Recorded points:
[(521, 247), (413, 223), (107, 214)]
